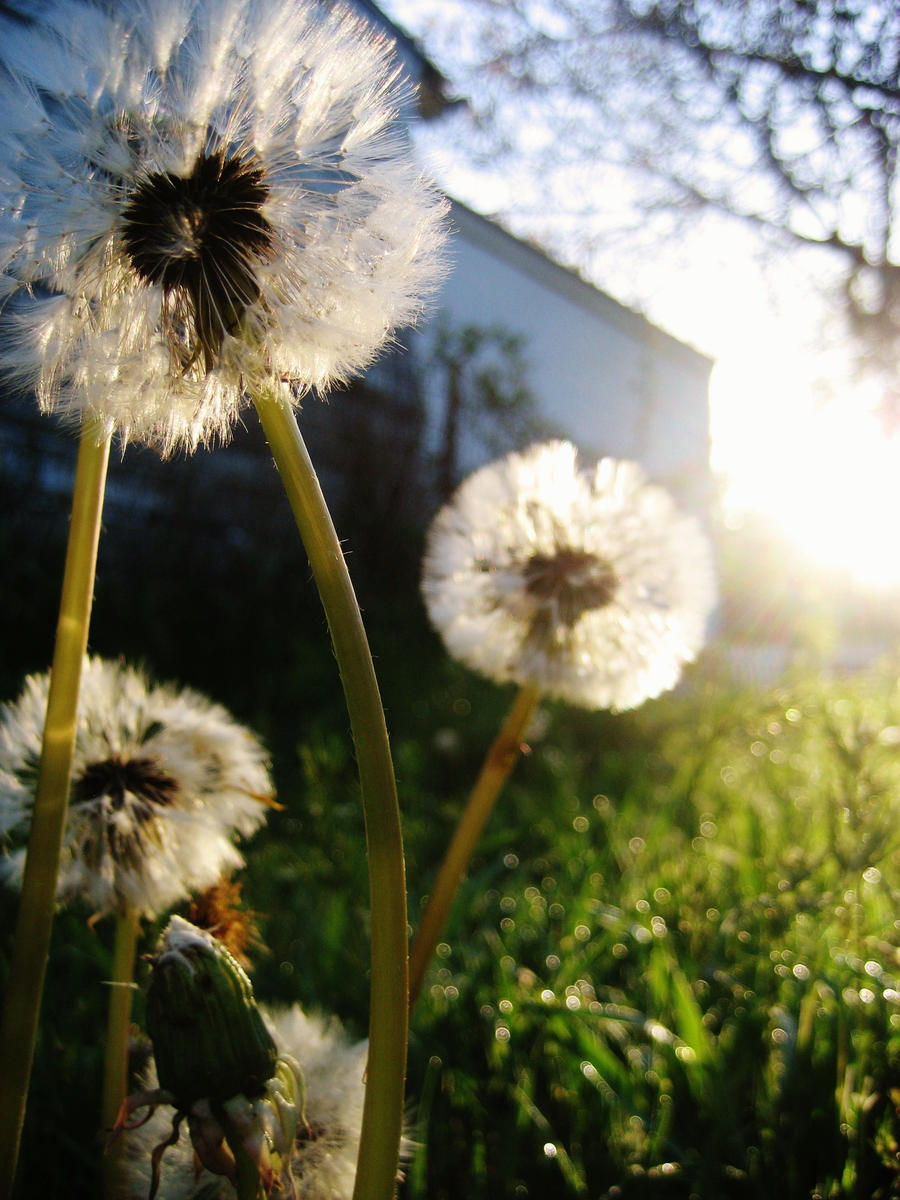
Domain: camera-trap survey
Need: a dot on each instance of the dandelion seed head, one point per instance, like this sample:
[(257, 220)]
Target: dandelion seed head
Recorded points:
[(163, 780), (201, 200), (589, 585)]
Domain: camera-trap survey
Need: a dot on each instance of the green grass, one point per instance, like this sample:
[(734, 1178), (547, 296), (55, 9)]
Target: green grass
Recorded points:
[(693, 989), (672, 970)]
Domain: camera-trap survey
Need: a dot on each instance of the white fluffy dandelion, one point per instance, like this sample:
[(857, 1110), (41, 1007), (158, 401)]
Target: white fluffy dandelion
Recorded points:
[(334, 1069), (201, 199), (590, 586), (323, 1162), (162, 782)]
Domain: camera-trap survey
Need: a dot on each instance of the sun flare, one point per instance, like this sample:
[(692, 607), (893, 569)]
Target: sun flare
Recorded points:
[(827, 475)]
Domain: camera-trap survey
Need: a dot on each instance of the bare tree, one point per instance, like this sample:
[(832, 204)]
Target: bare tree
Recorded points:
[(784, 114)]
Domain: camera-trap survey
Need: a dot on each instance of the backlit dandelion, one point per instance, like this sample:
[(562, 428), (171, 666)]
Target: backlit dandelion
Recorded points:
[(589, 586), (585, 585), (163, 780), (202, 199)]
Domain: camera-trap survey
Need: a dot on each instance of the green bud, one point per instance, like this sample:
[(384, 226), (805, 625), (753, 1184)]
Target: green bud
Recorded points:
[(209, 1040)]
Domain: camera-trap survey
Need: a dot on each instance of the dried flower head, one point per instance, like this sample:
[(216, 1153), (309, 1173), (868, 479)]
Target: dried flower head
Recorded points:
[(323, 1161), (220, 911), (588, 585), (162, 781), (202, 198)]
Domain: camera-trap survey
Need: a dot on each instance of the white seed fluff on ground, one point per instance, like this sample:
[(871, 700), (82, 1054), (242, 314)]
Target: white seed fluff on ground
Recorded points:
[(200, 199), (163, 780), (591, 586), (323, 1164)]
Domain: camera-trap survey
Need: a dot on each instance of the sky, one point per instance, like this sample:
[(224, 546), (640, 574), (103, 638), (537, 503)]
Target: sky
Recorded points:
[(794, 434)]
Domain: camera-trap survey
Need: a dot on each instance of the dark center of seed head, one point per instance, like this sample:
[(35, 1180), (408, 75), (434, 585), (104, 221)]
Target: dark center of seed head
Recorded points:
[(200, 237), (115, 778), (135, 787), (567, 584)]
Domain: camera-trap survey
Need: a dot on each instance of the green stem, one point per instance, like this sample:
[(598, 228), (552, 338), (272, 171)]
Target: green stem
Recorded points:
[(118, 1026), (18, 1030), (501, 759), (382, 1124), (247, 1182)]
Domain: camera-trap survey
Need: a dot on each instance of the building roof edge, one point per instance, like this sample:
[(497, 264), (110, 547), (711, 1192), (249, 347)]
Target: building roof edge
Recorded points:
[(568, 282)]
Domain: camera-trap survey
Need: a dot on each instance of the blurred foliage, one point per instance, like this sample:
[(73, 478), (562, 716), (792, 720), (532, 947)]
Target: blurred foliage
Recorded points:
[(481, 373), (673, 968)]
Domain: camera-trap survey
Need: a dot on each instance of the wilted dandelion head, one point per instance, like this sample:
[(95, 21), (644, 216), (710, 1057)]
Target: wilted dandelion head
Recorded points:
[(162, 782), (202, 198), (323, 1162), (589, 585)]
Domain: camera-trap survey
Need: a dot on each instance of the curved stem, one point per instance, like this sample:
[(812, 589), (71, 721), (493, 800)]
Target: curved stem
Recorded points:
[(376, 1171), (118, 1025), (501, 759), (35, 918)]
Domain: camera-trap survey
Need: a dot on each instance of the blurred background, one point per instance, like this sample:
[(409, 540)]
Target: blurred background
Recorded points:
[(673, 970)]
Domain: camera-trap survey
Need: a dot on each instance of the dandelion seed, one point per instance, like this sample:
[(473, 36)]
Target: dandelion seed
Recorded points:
[(589, 586), (162, 781), (202, 200)]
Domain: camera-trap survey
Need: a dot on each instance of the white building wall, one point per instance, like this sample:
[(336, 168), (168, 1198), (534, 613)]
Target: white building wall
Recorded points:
[(602, 375)]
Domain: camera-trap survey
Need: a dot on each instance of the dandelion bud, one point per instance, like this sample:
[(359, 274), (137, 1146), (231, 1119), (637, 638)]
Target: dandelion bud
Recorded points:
[(209, 1040)]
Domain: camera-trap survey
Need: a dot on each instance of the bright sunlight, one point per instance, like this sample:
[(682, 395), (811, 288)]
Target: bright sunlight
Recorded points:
[(827, 475)]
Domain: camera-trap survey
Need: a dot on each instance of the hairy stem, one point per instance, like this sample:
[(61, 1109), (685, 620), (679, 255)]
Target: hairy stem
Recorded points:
[(501, 759), (18, 1030), (383, 1110)]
